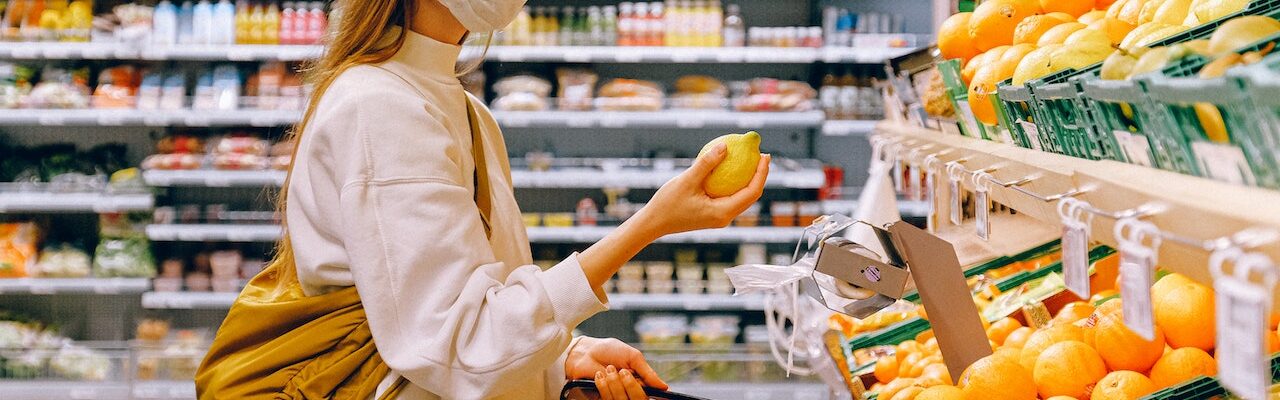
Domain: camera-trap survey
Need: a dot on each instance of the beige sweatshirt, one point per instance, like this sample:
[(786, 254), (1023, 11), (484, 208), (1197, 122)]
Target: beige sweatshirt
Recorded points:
[(382, 198)]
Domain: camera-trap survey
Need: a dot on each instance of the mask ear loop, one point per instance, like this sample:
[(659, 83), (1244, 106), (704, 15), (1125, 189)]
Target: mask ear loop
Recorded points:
[(472, 66)]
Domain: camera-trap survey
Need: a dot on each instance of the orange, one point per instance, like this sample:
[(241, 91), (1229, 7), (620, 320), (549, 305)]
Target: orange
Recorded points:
[(1115, 29), (892, 389), (904, 366), (993, 22), (886, 368), (917, 369), (1044, 338), (1008, 61), (1068, 368), (997, 378), (1182, 364), (1074, 7), (1059, 33), (1122, 349), (1131, 10), (1102, 4), (983, 89), (1002, 328), (1072, 312), (941, 392), (1012, 352), (907, 394), (1018, 337), (1122, 385), (936, 374), (1185, 312), (953, 38), (1061, 398), (971, 68), (906, 348), (931, 345), (924, 336), (1030, 29)]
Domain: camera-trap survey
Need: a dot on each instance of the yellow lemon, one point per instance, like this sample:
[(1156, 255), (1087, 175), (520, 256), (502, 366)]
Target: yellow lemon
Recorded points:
[(739, 164), (1059, 33)]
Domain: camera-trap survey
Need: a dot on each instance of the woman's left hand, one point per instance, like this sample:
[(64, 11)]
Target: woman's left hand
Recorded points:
[(619, 370)]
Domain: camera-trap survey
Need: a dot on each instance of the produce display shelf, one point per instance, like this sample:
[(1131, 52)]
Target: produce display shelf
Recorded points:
[(576, 54), (577, 234), (848, 127), (617, 301), (50, 286), (97, 202), (680, 119), (683, 119), (556, 179)]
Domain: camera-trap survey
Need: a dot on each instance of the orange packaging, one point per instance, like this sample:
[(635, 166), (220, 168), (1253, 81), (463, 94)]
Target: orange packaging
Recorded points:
[(17, 249)]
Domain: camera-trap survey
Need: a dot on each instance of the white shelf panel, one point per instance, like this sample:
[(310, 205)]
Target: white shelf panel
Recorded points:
[(63, 390), (48, 286), (73, 202), (164, 390), (685, 302), (213, 233), (591, 234), (188, 300), (683, 119), (131, 117), (213, 178), (558, 179), (848, 127), (578, 54)]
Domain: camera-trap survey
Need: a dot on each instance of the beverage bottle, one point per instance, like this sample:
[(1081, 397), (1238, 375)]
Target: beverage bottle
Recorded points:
[(30, 29), (609, 26), (716, 21), (271, 24), (13, 17), (830, 15), (202, 22), (164, 24), (535, 27), (521, 34), (285, 34), (844, 27), (673, 22), (735, 30), (656, 27), (317, 22), (640, 24), (848, 100), (566, 26), (255, 24), (625, 24), (184, 22), (224, 23), (242, 22), (582, 28), (701, 13), (829, 94), (553, 27), (595, 26)]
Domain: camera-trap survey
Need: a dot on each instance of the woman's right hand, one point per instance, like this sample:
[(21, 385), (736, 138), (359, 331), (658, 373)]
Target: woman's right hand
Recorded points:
[(683, 205)]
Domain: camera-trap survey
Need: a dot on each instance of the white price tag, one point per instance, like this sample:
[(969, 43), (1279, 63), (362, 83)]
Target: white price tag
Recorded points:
[(982, 214), (574, 56), (898, 176), (108, 287), (110, 119), (690, 123), (696, 303), (196, 120), (154, 120), (931, 198), (725, 55), (953, 193), (1136, 148), (914, 190), (239, 235), (625, 56), (1137, 270), (1075, 245), (1032, 132), (966, 116), (239, 54), (1242, 321), (1223, 162), (216, 180)]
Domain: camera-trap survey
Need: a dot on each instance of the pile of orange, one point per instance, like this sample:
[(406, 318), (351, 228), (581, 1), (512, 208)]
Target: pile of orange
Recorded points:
[(1084, 352)]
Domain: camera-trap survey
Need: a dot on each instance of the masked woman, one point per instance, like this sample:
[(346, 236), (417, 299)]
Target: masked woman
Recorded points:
[(405, 270)]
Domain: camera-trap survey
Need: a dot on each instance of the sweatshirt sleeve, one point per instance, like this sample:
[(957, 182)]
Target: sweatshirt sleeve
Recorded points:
[(444, 313)]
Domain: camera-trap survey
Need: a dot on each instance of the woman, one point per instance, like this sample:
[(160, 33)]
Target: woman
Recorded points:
[(401, 189)]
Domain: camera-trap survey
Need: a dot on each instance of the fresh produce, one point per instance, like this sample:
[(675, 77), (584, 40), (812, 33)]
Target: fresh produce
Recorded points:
[(1058, 34), (1122, 385), (953, 37), (1182, 364), (1032, 28), (1068, 368), (1240, 32), (738, 166), (993, 22)]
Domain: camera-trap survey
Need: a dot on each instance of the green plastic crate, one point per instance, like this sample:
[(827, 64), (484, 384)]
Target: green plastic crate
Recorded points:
[(1204, 30), (959, 94), (1059, 101), (1261, 83), (1123, 108), (1204, 387), (1014, 110), (1034, 252)]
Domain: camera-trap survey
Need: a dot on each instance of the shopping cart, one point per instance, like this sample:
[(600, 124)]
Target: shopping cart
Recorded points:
[(586, 390)]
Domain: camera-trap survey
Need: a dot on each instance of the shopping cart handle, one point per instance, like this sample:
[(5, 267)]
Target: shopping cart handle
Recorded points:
[(586, 390)]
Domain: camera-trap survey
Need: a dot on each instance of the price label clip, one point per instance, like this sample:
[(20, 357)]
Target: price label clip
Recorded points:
[(1243, 298), (955, 172), (1076, 227), (1137, 272), (981, 180)]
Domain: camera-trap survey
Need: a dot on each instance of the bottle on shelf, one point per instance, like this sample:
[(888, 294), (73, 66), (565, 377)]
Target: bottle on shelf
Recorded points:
[(640, 25), (610, 26), (848, 99), (202, 23), (829, 95), (595, 26), (520, 32), (566, 26), (224, 23), (164, 24), (184, 23), (626, 24), (317, 23), (257, 21), (285, 32), (271, 24), (655, 25), (553, 28), (715, 22), (674, 20), (582, 28), (242, 22)]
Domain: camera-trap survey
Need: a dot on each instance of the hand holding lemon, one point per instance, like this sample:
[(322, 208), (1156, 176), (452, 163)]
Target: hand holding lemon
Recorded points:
[(727, 177)]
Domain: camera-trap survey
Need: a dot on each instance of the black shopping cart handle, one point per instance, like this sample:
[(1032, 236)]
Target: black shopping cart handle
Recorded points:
[(586, 390)]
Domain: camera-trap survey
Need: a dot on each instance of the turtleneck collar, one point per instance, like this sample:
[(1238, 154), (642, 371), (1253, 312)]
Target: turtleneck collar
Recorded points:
[(424, 57)]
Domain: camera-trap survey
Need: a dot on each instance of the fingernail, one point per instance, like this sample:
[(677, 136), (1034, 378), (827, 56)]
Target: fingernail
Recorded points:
[(611, 370), (721, 148), (626, 373), (599, 375)]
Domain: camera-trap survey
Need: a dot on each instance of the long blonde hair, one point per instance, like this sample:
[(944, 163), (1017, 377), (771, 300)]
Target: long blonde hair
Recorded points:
[(357, 40)]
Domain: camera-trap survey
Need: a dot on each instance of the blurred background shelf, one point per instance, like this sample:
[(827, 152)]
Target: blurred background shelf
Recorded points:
[(158, 118), (65, 390), (95, 202), (576, 234), (848, 127), (617, 301), (55, 286), (555, 179)]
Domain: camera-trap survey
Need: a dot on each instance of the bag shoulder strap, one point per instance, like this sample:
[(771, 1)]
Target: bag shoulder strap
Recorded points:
[(484, 190)]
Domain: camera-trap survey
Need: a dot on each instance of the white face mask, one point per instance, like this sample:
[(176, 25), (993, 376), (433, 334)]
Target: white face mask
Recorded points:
[(484, 15)]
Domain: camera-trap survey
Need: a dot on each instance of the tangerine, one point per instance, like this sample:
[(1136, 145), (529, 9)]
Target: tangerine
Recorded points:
[(1031, 28), (1179, 365), (1000, 330), (953, 37), (1184, 310), (994, 377), (1068, 368), (993, 22), (1044, 338), (1018, 337), (1122, 385), (1074, 7), (1121, 348), (941, 392), (886, 368)]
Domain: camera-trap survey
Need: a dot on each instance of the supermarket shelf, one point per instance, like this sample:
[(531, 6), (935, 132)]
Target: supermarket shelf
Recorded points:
[(577, 234), (1192, 208), (591, 234), (63, 390), (213, 233), (755, 391), (680, 119), (683, 119), (131, 117), (848, 127), (583, 54), (687, 302), (43, 286), (72, 202), (558, 179), (188, 300), (164, 390)]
